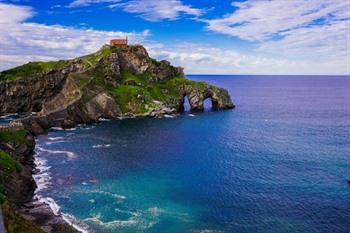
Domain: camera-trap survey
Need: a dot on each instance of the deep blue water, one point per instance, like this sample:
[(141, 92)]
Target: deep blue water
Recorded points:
[(279, 162)]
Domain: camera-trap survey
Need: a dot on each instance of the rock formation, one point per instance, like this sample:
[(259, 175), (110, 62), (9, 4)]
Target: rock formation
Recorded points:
[(113, 82)]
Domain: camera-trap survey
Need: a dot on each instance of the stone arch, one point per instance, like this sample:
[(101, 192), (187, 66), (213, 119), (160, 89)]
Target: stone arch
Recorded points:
[(214, 100), (196, 100)]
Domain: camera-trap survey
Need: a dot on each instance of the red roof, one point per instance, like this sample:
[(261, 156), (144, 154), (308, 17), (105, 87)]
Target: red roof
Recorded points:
[(119, 42)]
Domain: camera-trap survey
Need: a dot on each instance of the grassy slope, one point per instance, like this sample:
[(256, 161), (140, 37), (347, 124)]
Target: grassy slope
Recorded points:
[(18, 136), (8, 165), (30, 69)]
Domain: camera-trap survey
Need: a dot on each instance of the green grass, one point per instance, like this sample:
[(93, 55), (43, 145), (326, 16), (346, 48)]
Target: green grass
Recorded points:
[(137, 95), (141, 79), (131, 98), (19, 136), (81, 79), (91, 60), (8, 164), (30, 69)]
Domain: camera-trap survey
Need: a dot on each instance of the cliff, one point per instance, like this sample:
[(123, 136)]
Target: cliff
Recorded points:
[(17, 188), (116, 81)]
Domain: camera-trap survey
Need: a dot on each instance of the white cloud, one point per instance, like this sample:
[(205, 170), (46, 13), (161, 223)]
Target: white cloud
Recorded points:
[(298, 29), (79, 3), (21, 42), (204, 59), (150, 10)]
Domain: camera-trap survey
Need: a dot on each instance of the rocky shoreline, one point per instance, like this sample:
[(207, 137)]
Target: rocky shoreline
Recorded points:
[(20, 190)]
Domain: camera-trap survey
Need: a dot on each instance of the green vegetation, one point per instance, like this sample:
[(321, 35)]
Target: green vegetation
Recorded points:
[(136, 94), (81, 79), (92, 59), (2, 194), (8, 164), (178, 82), (19, 136), (14, 223), (30, 69)]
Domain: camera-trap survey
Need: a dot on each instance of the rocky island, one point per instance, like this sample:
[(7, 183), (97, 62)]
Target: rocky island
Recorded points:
[(114, 82)]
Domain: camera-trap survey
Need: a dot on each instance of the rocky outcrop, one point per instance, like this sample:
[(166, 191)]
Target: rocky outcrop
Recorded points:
[(113, 82), (20, 184), (220, 98), (133, 58), (28, 95)]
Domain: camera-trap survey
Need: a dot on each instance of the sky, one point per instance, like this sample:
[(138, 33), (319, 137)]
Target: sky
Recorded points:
[(310, 37)]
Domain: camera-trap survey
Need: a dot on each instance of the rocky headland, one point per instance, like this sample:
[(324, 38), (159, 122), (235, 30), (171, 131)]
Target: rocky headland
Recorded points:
[(114, 82)]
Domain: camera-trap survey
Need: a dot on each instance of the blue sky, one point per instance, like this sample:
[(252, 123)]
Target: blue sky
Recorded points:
[(205, 37)]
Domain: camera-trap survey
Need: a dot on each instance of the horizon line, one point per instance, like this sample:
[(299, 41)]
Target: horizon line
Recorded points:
[(347, 75)]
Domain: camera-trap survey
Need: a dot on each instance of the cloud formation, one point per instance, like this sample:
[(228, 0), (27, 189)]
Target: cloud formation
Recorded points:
[(80, 3), (21, 42), (298, 28), (204, 59), (150, 10)]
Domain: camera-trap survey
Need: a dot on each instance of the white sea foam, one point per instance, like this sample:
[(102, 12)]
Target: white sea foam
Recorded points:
[(191, 115), (54, 142), (112, 224), (69, 154), (70, 219), (114, 195), (57, 128), (101, 146), (42, 180), (66, 217), (169, 116), (104, 119), (55, 138), (10, 116)]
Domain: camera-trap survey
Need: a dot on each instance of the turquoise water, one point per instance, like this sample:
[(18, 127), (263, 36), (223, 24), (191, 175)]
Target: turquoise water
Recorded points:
[(279, 162)]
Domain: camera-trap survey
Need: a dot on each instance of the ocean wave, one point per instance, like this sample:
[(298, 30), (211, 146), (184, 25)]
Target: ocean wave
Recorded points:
[(104, 119), (141, 220), (54, 142), (101, 146), (69, 154), (111, 224), (42, 179), (70, 219), (191, 115), (57, 128), (169, 116), (114, 195), (8, 116), (55, 138)]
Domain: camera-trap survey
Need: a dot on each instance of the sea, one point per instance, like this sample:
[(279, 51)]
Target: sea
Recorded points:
[(277, 163)]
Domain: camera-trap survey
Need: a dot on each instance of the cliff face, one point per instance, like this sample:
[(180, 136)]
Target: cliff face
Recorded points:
[(17, 187), (113, 82), (16, 163)]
